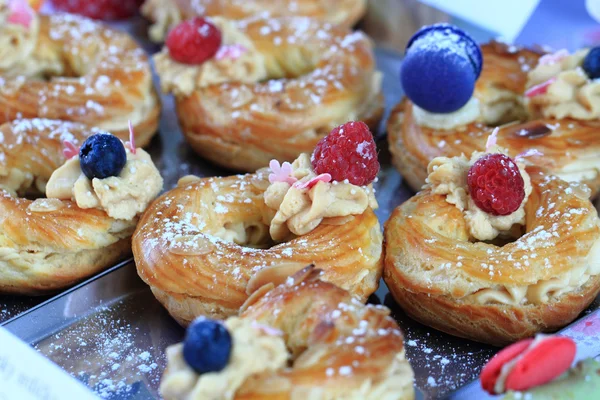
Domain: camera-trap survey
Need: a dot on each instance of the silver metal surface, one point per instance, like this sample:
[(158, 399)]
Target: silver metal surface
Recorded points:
[(111, 333)]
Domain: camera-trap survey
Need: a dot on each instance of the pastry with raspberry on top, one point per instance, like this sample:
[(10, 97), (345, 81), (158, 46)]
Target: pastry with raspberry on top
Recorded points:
[(209, 243), (166, 14), (250, 91), (492, 249), (106, 10)]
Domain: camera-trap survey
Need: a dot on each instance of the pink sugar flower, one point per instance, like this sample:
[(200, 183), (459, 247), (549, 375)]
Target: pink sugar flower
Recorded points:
[(232, 51), (492, 140), (309, 184), (281, 173), (539, 89), (70, 150), (553, 58), (529, 153), (131, 142), (267, 330), (21, 13)]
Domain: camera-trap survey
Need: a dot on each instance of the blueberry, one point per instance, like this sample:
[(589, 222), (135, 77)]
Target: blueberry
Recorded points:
[(207, 346), (102, 155), (440, 68), (591, 63)]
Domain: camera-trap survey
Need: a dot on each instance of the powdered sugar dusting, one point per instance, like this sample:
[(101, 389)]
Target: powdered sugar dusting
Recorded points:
[(363, 150), (442, 363), (89, 96), (106, 351)]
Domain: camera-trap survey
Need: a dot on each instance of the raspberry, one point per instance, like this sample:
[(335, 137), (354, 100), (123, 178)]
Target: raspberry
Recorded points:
[(496, 185), (348, 152), (193, 41), (99, 9)]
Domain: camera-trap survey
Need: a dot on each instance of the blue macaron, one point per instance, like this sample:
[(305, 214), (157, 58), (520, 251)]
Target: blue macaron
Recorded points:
[(441, 66)]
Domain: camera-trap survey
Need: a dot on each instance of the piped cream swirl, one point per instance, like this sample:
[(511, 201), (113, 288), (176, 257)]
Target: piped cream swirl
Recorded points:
[(121, 197), (572, 94), (238, 60), (298, 211), (256, 349), (448, 176)]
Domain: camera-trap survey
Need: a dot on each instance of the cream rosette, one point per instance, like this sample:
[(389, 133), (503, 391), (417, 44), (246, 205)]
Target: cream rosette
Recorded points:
[(122, 197), (448, 176), (558, 87), (237, 60), (302, 199)]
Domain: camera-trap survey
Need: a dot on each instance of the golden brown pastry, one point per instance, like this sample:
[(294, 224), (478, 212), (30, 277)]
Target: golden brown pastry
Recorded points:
[(272, 90), (491, 277), (82, 226), (204, 246), (168, 13), (71, 68), (560, 128), (305, 338)]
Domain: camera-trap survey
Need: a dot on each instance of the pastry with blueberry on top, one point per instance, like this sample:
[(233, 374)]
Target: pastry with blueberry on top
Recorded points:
[(304, 338), (547, 105), (95, 189)]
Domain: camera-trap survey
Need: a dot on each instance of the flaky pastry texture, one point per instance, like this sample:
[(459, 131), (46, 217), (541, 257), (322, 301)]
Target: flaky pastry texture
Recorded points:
[(496, 292), (204, 246), (167, 13), (570, 148), (297, 80), (74, 69), (49, 244), (338, 347)]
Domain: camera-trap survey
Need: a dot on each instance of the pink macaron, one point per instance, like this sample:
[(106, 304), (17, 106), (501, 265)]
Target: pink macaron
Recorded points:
[(535, 363)]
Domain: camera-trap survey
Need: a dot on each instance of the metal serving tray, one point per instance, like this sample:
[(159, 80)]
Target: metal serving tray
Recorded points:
[(110, 332)]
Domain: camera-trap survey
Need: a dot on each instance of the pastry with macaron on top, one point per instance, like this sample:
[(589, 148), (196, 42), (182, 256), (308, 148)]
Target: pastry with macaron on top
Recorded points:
[(458, 92)]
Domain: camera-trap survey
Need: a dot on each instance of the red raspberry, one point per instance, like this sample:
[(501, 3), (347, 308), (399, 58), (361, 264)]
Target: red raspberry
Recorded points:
[(99, 9), (348, 152), (194, 41), (496, 185)]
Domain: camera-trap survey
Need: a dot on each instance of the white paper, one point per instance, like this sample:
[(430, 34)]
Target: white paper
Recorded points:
[(505, 18), (25, 374)]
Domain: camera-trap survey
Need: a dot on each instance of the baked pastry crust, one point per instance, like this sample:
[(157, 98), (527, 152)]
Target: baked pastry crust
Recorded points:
[(49, 244), (338, 348), (245, 125), (98, 76), (180, 252), (504, 71), (167, 13), (304, 310), (436, 274)]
